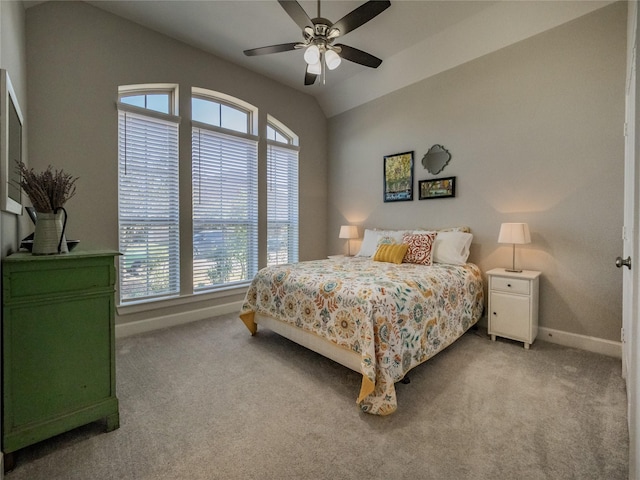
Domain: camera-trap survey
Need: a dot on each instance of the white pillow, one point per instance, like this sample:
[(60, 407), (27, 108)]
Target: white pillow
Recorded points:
[(369, 243), (452, 247), (373, 238)]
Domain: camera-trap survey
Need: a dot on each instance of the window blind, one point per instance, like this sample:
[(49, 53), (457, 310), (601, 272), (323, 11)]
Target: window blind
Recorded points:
[(282, 204), (148, 205), (225, 208)]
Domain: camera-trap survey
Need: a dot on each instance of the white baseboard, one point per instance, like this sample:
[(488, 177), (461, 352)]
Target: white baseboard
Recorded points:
[(583, 342), (165, 321), (567, 339)]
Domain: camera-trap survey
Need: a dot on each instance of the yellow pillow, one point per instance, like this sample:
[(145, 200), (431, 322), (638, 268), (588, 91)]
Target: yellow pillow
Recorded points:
[(391, 253)]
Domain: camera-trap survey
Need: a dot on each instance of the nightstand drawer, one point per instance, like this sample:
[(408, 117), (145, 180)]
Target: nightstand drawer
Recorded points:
[(512, 285)]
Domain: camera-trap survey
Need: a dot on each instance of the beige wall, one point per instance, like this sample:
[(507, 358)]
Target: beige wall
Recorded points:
[(77, 55), (536, 134), (535, 130)]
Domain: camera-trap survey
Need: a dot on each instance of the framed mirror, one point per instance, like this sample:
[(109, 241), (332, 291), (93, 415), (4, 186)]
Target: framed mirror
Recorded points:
[(11, 122), (436, 159)]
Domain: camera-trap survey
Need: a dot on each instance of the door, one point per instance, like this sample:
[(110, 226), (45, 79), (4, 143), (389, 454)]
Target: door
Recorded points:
[(630, 270)]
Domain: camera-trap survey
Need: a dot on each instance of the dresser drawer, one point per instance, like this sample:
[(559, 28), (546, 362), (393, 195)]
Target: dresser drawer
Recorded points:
[(512, 285), (43, 277)]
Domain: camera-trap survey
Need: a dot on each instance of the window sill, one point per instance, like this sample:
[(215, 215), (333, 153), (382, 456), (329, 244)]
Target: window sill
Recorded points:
[(149, 305)]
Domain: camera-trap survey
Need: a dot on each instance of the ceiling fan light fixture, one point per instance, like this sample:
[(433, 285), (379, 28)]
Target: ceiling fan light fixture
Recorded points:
[(307, 32), (332, 59), (312, 54), (319, 35), (333, 33), (315, 68)]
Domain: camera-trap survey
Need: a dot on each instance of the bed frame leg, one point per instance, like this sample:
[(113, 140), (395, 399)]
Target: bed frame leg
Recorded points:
[(406, 380)]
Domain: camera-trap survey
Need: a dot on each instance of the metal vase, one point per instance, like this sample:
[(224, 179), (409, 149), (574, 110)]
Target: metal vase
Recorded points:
[(49, 237)]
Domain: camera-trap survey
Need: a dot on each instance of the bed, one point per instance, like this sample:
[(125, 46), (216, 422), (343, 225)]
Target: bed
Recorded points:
[(380, 318)]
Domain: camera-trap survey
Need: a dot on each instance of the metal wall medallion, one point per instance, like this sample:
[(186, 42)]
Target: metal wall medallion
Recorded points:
[(436, 159)]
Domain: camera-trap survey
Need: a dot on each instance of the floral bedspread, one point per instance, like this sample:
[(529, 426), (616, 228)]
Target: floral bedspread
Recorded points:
[(394, 316)]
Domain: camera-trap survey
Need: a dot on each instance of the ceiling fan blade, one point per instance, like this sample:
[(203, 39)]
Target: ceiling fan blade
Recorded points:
[(358, 56), (296, 12), (361, 15), (282, 47), (309, 78)]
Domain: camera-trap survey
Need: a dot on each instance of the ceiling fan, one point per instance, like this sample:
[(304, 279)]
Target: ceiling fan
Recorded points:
[(319, 35)]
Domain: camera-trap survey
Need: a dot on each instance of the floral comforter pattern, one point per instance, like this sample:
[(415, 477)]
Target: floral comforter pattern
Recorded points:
[(394, 316)]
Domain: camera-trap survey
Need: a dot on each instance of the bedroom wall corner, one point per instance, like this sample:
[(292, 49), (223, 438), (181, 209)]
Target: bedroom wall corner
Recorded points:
[(535, 131)]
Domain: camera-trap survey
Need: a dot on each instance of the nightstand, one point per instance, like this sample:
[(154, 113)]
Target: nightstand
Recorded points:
[(513, 305)]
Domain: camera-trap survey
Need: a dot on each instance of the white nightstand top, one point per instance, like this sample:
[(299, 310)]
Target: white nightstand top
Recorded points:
[(528, 274)]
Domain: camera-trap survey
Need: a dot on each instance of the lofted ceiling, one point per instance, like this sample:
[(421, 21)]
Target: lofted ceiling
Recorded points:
[(414, 38)]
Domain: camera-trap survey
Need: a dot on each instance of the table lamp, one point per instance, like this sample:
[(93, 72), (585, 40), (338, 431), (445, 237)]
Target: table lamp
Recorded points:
[(514, 233), (348, 232)]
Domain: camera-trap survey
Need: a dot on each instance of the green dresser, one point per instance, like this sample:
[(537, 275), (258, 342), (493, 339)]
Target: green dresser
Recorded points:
[(58, 364)]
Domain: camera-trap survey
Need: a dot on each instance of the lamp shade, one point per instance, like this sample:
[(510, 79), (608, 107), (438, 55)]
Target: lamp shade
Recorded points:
[(312, 54), (315, 68), (332, 59), (515, 233), (348, 231)]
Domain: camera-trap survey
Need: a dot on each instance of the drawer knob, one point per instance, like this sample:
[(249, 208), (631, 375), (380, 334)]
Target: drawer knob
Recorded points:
[(494, 313), (509, 285)]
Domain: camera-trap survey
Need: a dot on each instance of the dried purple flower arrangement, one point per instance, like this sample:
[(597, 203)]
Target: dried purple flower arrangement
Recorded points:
[(48, 190)]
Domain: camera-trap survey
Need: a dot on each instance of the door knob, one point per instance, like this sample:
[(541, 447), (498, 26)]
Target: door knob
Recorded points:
[(626, 262)]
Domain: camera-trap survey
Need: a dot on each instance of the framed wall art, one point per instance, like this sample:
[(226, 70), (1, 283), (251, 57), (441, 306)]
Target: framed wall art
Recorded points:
[(437, 188), (398, 177), (11, 153)]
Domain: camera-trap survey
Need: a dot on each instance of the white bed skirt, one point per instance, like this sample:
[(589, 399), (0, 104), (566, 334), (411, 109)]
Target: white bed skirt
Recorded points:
[(319, 345)]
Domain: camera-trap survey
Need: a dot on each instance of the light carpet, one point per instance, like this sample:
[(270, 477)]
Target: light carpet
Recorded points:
[(208, 401)]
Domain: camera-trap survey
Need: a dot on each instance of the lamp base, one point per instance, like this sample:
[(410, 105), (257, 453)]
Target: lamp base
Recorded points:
[(513, 268)]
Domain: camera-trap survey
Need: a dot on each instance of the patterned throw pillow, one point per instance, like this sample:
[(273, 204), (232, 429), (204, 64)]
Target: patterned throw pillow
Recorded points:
[(392, 253), (420, 249)]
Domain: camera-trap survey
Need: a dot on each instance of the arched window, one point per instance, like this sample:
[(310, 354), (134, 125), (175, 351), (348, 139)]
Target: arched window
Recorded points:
[(282, 194), (225, 190), (148, 198), (224, 193)]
